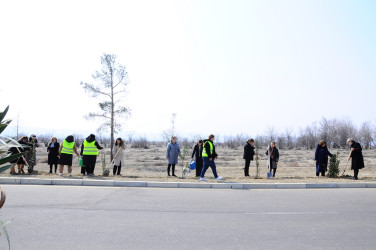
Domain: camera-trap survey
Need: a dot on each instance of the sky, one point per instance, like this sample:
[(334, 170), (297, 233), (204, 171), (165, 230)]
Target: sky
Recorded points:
[(223, 67)]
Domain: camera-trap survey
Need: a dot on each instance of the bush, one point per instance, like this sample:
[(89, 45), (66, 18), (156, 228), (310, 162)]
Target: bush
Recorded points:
[(141, 142), (334, 166)]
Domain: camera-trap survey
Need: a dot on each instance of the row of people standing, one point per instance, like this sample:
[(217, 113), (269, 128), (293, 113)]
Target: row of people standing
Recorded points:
[(322, 155), (89, 153)]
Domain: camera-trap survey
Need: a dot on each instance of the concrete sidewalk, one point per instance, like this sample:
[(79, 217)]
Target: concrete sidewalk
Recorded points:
[(154, 184)]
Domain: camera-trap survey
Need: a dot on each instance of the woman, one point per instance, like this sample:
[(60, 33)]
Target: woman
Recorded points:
[(197, 151), (172, 154), (31, 156), (273, 157), (356, 155), (321, 158), (53, 153), (119, 154), (21, 161), (66, 150), (89, 152), (249, 152)]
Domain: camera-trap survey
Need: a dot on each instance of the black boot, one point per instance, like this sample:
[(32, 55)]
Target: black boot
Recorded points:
[(115, 169), (119, 170), (173, 170), (168, 169)]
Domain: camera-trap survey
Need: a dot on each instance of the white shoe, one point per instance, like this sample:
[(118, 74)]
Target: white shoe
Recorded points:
[(203, 179), (219, 178), (60, 174)]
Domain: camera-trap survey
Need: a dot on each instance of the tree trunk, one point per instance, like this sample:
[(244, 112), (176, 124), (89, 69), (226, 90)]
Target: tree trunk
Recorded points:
[(112, 115)]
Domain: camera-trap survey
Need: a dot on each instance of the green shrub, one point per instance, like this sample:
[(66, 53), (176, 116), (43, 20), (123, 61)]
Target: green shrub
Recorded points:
[(334, 166)]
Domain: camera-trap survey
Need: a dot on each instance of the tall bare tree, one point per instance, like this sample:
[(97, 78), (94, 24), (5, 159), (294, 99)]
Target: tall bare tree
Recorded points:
[(109, 84)]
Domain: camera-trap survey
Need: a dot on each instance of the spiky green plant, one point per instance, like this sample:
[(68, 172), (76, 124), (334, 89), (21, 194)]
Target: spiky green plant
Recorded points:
[(334, 166), (7, 143)]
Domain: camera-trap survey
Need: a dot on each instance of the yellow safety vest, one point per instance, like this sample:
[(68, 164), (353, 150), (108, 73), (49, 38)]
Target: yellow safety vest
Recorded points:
[(67, 147), (204, 154), (90, 148)]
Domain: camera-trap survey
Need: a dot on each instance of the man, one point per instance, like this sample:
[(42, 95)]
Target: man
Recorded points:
[(249, 151), (208, 156)]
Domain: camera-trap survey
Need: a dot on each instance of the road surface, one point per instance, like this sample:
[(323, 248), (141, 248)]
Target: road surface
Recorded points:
[(61, 217)]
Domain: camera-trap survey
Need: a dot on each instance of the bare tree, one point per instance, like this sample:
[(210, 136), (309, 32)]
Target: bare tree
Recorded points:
[(110, 85), (271, 133), (289, 138), (365, 134)]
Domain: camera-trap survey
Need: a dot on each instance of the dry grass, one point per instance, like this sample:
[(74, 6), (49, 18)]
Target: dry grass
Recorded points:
[(150, 164)]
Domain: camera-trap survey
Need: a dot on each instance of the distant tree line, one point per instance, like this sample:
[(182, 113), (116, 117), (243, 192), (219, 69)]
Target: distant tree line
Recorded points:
[(334, 131)]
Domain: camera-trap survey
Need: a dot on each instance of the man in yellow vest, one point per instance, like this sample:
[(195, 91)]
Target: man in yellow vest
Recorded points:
[(89, 152), (208, 156)]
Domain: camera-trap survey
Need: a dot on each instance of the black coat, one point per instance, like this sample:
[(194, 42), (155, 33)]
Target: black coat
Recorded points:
[(197, 151), (249, 152), (274, 154), (357, 161), (321, 156), (53, 155)]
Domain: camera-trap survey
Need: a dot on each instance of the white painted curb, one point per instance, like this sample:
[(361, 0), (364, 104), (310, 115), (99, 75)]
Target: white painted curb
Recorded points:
[(163, 184), (35, 181), (154, 184), (72, 182), (227, 185), (259, 186), (371, 185), (101, 183), (322, 185), (290, 186), (194, 185), (352, 185), (10, 180), (130, 184)]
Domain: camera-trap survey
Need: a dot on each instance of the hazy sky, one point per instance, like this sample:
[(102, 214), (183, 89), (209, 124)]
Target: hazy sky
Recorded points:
[(223, 67)]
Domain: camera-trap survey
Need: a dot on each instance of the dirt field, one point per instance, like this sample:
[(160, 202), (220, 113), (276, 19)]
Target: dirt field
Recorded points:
[(150, 165)]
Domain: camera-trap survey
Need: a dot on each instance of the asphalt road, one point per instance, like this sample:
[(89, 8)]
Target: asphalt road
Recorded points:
[(58, 217)]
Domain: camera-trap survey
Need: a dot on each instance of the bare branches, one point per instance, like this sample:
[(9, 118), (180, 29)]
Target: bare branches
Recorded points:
[(92, 90)]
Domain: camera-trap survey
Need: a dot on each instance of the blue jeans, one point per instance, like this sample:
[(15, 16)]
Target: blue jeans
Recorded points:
[(208, 164)]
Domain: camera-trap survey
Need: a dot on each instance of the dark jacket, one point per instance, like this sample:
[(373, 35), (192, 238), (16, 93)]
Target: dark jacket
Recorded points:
[(321, 156), (274, 155), (207, 147), (197, 151), (357, 161), (249, 152), (53, 155)]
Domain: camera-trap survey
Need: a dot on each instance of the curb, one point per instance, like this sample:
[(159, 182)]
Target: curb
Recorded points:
[(155, 184)]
